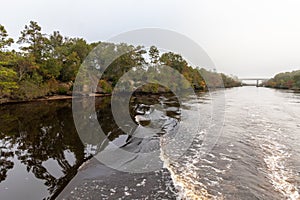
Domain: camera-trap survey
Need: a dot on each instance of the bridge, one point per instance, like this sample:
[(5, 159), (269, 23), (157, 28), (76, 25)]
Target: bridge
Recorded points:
[(258, 80)]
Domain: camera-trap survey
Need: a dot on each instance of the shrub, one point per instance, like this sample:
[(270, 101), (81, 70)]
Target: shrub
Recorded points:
[(104, 87), (62, 90), (30, 90)]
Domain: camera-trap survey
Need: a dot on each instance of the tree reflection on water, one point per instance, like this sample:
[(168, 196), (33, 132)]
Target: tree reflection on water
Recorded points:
[(38, 132)]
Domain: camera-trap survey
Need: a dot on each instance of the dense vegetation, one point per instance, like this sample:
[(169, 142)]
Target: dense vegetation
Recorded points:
[(47, 64), (287, 80)]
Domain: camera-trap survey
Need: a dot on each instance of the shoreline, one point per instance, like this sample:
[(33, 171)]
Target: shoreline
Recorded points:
[(5, 101), (49, 98)]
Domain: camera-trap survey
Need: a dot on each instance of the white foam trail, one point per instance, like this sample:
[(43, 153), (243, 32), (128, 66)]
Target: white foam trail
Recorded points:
[(185, 177), (275, 158), (279, 174), (185, 190)]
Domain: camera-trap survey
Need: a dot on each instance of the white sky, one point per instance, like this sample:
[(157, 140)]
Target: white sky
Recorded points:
[(243, 37)]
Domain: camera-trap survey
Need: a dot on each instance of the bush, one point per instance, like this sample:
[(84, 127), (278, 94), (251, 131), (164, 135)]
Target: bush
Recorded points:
[(104, 87), (7, 81), (53, 86), (62, 90), (151, 88), (29, 90)]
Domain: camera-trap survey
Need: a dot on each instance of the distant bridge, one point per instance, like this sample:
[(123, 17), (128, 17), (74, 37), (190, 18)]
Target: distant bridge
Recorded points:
[(253, 79)]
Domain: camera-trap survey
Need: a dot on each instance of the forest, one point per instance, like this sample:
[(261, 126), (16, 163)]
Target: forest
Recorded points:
[(285, 80), (47, 65)]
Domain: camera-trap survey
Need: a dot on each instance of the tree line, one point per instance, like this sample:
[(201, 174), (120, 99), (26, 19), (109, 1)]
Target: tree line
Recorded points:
[(286, 80), (47, 64)]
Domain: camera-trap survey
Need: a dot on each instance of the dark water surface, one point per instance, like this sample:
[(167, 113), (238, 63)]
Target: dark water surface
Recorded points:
[(256, 157), (40, 149)]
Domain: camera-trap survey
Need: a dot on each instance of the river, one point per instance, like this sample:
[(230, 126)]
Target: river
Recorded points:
[(256, 156)]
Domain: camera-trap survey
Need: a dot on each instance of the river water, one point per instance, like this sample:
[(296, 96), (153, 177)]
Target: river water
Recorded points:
[(256, 155)]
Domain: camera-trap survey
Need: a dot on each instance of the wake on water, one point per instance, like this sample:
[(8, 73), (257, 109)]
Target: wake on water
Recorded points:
[(191, 183)]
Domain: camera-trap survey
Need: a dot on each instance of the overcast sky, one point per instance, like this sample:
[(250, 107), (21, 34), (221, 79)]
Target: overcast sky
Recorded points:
[(246, 38)]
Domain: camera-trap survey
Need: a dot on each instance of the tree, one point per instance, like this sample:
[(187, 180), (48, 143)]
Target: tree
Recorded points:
[(286, 80), (56, 40), (78, 45), (72, 53), (297, 81), (4, 40), (123, 58), (154, 55), (70, 67), (57, 47), (137, 55), (6, 57), (35, 42), (7, 80), (173, 60), (25, 67)]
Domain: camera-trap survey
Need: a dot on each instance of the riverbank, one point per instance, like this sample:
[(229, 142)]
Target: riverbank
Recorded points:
[(285, 80), (62, 97), (48, 98)]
